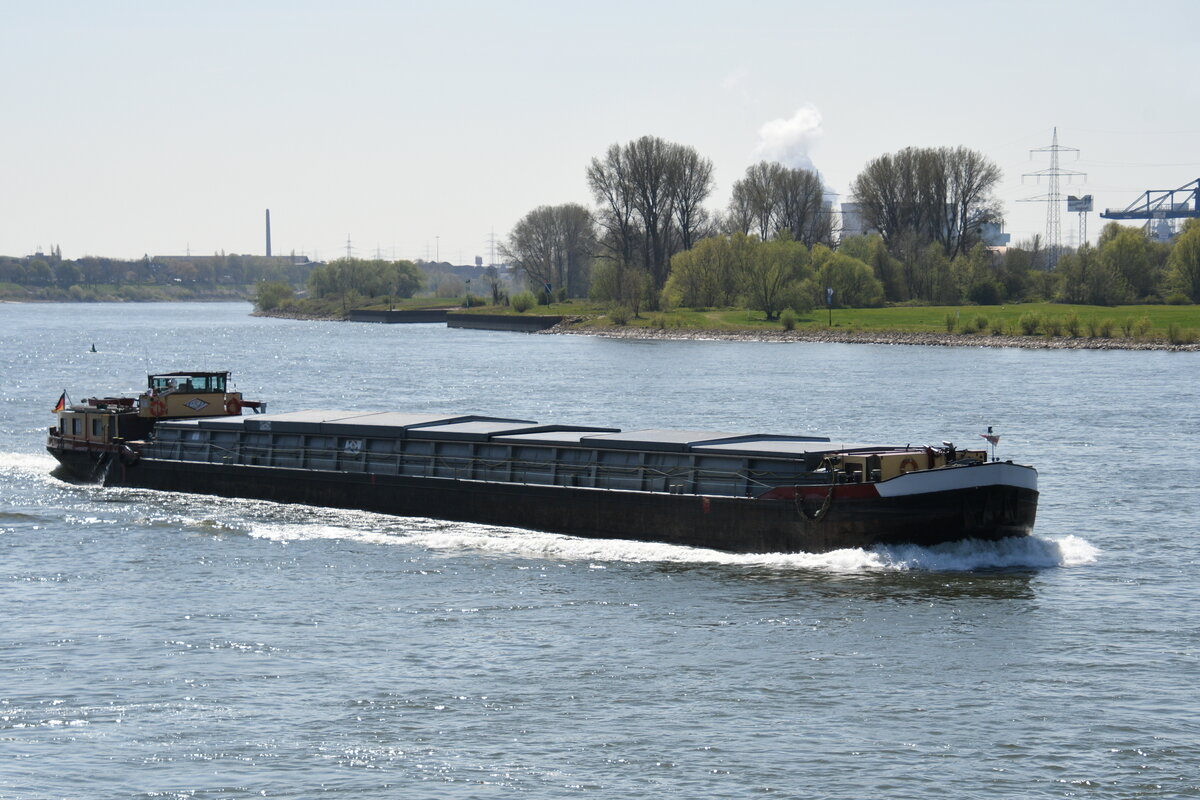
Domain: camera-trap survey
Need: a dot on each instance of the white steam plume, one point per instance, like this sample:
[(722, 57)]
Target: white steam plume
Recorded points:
[(788, 140)]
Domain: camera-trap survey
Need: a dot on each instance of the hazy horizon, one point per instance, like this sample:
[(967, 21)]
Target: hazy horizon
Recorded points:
[(146, 128)]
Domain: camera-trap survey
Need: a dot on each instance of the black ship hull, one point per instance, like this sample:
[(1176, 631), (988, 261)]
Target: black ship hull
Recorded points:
[(848, 516)]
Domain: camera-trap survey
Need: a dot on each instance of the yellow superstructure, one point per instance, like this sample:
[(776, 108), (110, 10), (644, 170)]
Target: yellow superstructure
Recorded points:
[(179, 394), (882, 466)]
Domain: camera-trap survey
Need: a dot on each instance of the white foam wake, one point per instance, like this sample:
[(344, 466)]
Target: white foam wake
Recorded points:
[(1037, 552), (27, 464)]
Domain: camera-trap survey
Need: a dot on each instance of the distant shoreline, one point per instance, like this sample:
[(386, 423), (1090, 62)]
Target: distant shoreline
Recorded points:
[(876, 337), (570, 327)]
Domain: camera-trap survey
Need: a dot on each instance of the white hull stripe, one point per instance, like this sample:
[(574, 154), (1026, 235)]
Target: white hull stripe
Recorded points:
[(951, 478)]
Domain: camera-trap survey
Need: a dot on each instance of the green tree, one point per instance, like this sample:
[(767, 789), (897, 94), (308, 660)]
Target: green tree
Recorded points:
[(11, 270), (369, 278), (771, 272), (38, 272), (1086, 278), (708, 275), (404, 277), (1183, 265), (66, 274), (1042, 284), (854, 283), (928, 274), (872, 250), (972, 273), (1126, 251), (270, 295), (628, 286)]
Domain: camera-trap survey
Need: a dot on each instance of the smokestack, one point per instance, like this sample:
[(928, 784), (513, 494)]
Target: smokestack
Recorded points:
[(268, 233)]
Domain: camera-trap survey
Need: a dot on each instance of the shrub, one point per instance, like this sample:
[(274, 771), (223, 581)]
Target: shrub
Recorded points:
[(1053, 326), (1141, 327), (269, 296), (1106, 329), (981, 322), (1127, 327), (522, 302), (1030, 323), (1072, 325), (1177, 299), (985, 293), (788, 319), (951, 321), (1092, 327), (1177, 335), (619, 315), (997, 327), (470, 301)]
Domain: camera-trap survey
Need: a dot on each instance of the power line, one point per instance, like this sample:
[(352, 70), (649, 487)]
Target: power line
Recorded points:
[(1053, 198)]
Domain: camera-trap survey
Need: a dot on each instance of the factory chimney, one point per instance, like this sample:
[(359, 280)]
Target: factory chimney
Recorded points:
[(268, 233)]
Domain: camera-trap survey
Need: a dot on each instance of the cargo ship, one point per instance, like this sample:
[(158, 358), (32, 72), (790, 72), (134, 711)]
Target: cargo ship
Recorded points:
[(737, 492)]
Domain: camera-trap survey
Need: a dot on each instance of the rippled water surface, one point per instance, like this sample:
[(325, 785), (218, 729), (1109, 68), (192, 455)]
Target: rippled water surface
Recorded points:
[(168, 645)]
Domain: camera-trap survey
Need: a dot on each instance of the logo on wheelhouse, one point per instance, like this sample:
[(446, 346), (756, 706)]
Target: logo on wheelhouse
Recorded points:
[(196, 404)]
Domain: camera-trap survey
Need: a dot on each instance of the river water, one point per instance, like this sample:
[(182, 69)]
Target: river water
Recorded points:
[(167, 645)]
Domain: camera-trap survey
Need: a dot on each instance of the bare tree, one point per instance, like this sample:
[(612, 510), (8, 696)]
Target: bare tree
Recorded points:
[(941, 195), (553, 246), (650, 192), (610, 182), (577, 246), (691, 183), (800, 208), (757, 191), (972, 178), (772, 198), (650, 161)]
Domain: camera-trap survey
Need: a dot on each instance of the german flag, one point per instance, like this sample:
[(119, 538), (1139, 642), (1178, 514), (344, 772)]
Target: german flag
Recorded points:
[(62, 402)]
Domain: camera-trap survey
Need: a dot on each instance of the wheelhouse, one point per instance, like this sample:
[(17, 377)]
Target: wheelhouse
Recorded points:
[(191, 382)]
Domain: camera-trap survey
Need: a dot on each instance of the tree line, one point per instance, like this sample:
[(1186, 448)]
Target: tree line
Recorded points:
[(767, 275), (347, 282), (927, 210), (52, 271)]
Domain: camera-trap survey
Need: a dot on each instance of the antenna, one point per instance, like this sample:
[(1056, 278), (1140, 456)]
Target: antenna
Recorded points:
[(1052, 198)]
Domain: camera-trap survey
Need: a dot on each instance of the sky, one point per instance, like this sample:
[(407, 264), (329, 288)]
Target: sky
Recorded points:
[(423, 130)]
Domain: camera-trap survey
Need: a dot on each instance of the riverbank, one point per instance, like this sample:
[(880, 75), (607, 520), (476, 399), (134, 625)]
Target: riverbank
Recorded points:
[(592, 325), (299, 316), (876, 337)]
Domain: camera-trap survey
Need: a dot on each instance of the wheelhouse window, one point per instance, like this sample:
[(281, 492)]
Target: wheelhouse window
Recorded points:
[(97, 426), (201, 384)]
